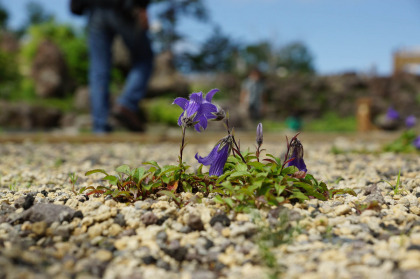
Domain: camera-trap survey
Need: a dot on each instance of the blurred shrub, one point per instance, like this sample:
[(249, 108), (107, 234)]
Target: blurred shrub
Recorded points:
[(9, 74), (71, 43), (161, 110)]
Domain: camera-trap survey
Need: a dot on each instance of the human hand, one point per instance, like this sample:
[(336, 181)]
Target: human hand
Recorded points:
[(142, 18)]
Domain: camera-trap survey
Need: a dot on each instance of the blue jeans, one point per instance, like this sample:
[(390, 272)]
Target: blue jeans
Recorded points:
[(103, 25)]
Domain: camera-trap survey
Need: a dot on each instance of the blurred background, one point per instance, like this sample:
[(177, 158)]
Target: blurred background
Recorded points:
[(330, 64)]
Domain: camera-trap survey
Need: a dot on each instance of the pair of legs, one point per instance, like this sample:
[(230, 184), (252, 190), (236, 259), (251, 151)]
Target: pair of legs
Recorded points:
[(104, 25)]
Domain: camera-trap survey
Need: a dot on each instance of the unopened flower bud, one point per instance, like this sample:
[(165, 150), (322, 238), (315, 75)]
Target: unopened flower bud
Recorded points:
[(259, 138), (220, 114)]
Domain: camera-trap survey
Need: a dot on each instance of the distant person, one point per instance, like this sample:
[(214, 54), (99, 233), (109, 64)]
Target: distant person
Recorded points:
[(108, 18), (252, 94)]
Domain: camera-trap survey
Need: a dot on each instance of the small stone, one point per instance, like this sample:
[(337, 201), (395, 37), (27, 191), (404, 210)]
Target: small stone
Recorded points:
[(120, 220), (149, 218), (149, 260), (103, 255), (114, 230), (220, 218), (195, 223), (342, 209)]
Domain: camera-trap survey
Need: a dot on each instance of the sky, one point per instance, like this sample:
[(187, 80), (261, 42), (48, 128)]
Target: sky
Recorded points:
[(342, 35)]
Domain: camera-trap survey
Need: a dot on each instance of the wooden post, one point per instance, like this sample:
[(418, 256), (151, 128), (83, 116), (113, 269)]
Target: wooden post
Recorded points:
[(363, 114)]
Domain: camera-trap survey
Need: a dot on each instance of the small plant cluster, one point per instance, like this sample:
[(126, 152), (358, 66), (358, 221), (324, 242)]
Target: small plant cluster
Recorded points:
[(240, 180), (409, 140)]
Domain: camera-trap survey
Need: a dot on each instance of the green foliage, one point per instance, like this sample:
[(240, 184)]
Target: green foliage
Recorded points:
[(242, 186), (404, 144), (71, 43), (331, 122), (397, 188), (160, 110), (296, 58), (9, 74)]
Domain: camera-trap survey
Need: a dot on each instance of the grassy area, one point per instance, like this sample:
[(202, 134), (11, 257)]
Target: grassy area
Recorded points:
[(331, 122)]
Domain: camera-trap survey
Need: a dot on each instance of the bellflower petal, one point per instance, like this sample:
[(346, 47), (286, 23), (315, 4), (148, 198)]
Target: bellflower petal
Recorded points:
[(217, 157), (182, 102), (297, 154), (416, 142), (210, 94), (410, 121), (197, 110), (392, 114)]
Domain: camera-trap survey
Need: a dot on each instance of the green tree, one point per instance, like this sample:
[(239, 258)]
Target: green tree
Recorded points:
[(296, 58), (216, 54), (4, 16), (169, 14)]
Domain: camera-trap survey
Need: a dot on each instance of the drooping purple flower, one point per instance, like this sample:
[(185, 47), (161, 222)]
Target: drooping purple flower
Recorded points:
[(392, 114), (259, 138), (297, 155), (416, 143), (197, 110), (410, 121), (217, 157)]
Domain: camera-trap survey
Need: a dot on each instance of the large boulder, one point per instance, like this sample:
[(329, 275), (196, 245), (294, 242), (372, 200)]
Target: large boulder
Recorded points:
[(28, 117), (49, 71)]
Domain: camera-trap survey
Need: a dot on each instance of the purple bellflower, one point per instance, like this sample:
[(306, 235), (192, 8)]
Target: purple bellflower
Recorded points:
[(297, 154), (217, 157), (410, 121), (197, 110), (392, 114), (416, 143)]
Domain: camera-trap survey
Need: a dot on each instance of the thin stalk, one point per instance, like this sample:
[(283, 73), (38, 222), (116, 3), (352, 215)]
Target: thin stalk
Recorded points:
[(181, 149)]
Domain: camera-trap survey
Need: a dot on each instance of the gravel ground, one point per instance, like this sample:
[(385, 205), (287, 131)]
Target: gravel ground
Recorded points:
[(47, 231)]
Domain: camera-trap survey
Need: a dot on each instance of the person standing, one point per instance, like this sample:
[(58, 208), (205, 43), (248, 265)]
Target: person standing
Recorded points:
[(108, 18), (252, 94)]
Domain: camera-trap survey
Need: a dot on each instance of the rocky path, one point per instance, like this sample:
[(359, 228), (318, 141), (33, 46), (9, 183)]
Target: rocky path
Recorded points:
[(47, 231)]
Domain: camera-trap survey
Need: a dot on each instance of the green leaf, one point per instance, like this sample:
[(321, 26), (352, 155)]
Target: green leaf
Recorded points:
[(310, 190), (167, 169), (96, 171), (299, 195), (153, 163), (170, 194), (241, 167), (124, 169), (237, 174), (223, 176), (112, 179)]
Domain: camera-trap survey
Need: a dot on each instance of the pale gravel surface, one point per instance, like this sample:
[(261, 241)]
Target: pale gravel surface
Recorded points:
[(101, 238)]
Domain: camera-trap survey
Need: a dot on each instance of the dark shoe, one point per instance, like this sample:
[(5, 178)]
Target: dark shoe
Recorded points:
[(129, 119)]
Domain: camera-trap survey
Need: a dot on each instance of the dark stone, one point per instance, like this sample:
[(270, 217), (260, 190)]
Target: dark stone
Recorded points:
[(45, 193), (162, 236), (176, 251), (418, 195), (78, 214), (373, 195), (162, 220), (414, 247), (220, 218), (209, 244), (25, 201), (120, 220), (164, 265), (195, 223), (46, 212), (149, 260), (149, 218)]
